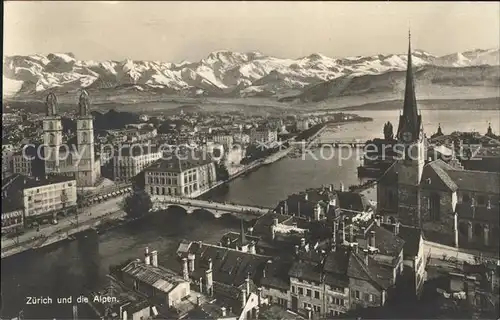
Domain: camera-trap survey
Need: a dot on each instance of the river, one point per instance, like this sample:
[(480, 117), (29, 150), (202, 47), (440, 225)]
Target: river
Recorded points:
[(69, 268)]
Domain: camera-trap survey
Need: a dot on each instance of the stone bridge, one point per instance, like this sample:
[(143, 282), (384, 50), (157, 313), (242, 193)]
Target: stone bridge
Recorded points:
[(216, 208)]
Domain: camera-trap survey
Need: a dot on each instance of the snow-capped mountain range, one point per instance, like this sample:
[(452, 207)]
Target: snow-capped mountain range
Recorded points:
[(221, 73)]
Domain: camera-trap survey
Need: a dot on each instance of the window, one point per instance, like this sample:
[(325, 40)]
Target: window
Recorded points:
[(301, 291), (316, 294), (357, 294), (366, 296), (317, 309), (370, 297), (293, 289), (309, 293)]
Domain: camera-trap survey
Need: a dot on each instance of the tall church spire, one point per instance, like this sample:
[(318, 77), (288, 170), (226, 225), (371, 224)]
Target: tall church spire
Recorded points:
[(409, 122)]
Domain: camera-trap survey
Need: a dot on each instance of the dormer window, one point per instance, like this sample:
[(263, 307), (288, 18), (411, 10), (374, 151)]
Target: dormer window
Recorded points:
[(428, 180)]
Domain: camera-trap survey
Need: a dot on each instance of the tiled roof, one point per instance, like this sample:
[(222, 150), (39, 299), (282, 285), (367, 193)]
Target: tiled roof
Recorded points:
[(385, 241), (353, 201), (158, 277), (478, 181), (229, 266), (234, 239), (410, 235), (178, 164), (276, 274), (263, 224), (347, 263), (305, 271)]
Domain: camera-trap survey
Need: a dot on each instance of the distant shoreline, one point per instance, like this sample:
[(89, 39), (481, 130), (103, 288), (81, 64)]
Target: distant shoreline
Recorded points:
[(430, 104)]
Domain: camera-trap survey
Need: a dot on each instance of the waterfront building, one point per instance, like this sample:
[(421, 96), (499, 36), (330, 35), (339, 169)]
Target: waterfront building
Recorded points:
[(78, 161), (263, 136), (38, 198), (182, 176), (129, 161), (452, 206), (302, 124)]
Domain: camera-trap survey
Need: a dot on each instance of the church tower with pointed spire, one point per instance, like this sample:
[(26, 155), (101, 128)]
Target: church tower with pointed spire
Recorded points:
[(411, 151)]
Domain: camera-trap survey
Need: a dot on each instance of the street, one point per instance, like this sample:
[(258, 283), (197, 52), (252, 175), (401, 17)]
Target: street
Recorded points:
[(84, 215)]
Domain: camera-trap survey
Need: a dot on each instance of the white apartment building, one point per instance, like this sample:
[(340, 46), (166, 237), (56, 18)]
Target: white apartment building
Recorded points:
[(130, 161), (52, 195), (180, 177)]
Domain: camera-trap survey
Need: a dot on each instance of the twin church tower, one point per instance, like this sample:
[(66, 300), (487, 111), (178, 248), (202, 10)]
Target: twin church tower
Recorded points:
[(77, 160)]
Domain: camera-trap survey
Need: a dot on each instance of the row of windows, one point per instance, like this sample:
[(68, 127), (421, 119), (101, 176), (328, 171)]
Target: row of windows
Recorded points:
[(167, 181), (316, 309), (368, 297)]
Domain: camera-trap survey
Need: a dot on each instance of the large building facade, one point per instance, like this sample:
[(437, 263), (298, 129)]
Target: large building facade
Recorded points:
[(452, 206), (180, 176), (79, 161)]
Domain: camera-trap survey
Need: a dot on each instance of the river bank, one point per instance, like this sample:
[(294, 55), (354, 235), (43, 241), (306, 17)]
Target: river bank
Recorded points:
[(67, 229)]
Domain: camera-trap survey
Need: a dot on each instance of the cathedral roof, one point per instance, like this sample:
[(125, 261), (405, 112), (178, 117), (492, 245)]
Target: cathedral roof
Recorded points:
[(478, 181), (436, 177), (410, 120)]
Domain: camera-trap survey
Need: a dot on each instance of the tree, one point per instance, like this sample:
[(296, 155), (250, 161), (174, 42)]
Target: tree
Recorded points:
[(388, 131), (137, 204), (221, 172)]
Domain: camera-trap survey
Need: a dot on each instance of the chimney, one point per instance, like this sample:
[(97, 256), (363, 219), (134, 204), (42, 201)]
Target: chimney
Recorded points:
[(209, 282), (154, 258), (372, 239), (191, 258), (147, 257), (201, 285), (317, 212), (251, 247), (243, 298), (247, 282), (259, 296), (250, 230), (366, 256), (306, 196), (342, 187), (331, 188), (302, 243), (396, 228), (185, 273), (281, 210), (275, 222), (223, 311)]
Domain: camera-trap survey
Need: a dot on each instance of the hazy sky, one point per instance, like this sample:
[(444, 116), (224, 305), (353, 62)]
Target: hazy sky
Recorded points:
[(174, 31)]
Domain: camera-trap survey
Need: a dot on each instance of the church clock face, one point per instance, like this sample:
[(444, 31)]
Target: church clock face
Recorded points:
[(407, 136)]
